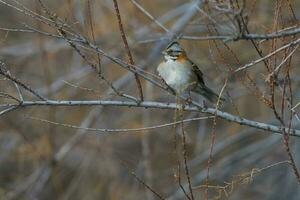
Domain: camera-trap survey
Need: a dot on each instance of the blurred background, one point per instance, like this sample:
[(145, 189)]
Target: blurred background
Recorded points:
[(41, 160)]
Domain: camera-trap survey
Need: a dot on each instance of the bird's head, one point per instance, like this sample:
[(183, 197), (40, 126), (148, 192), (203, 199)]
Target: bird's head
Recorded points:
[(173, 51)]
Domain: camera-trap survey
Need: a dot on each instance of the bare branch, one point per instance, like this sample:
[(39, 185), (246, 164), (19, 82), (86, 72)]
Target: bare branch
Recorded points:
[(234, 38), (172, 106)]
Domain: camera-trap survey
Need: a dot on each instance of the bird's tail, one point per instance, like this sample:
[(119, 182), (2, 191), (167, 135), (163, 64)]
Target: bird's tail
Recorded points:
[(208, 93)]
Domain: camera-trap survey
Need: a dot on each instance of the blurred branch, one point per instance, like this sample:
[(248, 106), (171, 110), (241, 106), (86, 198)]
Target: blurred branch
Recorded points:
[(161, 105), (8, 96), (249, 36), (91, 22), (143, 10)]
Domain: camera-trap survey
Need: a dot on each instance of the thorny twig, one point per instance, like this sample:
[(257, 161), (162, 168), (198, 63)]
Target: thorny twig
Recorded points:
[(245, 178)]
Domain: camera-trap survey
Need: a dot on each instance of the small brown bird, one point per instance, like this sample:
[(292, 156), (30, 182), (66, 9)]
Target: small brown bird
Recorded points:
[(182, 75)]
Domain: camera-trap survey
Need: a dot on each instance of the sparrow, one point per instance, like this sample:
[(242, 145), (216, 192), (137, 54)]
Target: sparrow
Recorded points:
[(182, 75)]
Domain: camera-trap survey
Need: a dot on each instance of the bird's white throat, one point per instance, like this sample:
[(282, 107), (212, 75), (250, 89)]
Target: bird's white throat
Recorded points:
[(169, 57)]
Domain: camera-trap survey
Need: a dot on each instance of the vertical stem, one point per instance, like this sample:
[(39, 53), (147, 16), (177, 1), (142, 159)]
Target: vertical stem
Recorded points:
[(187, 173), (146, 145), (123, 35)]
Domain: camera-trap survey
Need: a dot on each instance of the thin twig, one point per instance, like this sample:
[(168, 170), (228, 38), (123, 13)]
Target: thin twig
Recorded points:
[(186, 167), (143, 10), (177, 116), (9, 109), (138, 82), (229, 185), (8, 96), (90, 15), (108, 130), (97, 68), (159, 196), (233, 38), (212, 142), (6, 73), (293, 43)]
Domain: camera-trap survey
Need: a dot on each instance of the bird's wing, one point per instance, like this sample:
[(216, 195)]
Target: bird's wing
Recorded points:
[(198, 72)]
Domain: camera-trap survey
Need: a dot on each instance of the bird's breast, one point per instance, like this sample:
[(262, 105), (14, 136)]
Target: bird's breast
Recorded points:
[(177, 75)]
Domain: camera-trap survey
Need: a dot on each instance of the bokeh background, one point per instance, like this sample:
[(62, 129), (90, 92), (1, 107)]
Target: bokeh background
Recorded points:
[(41, 160)]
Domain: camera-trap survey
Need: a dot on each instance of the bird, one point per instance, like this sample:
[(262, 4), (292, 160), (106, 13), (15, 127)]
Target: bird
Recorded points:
[(182, 75)]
